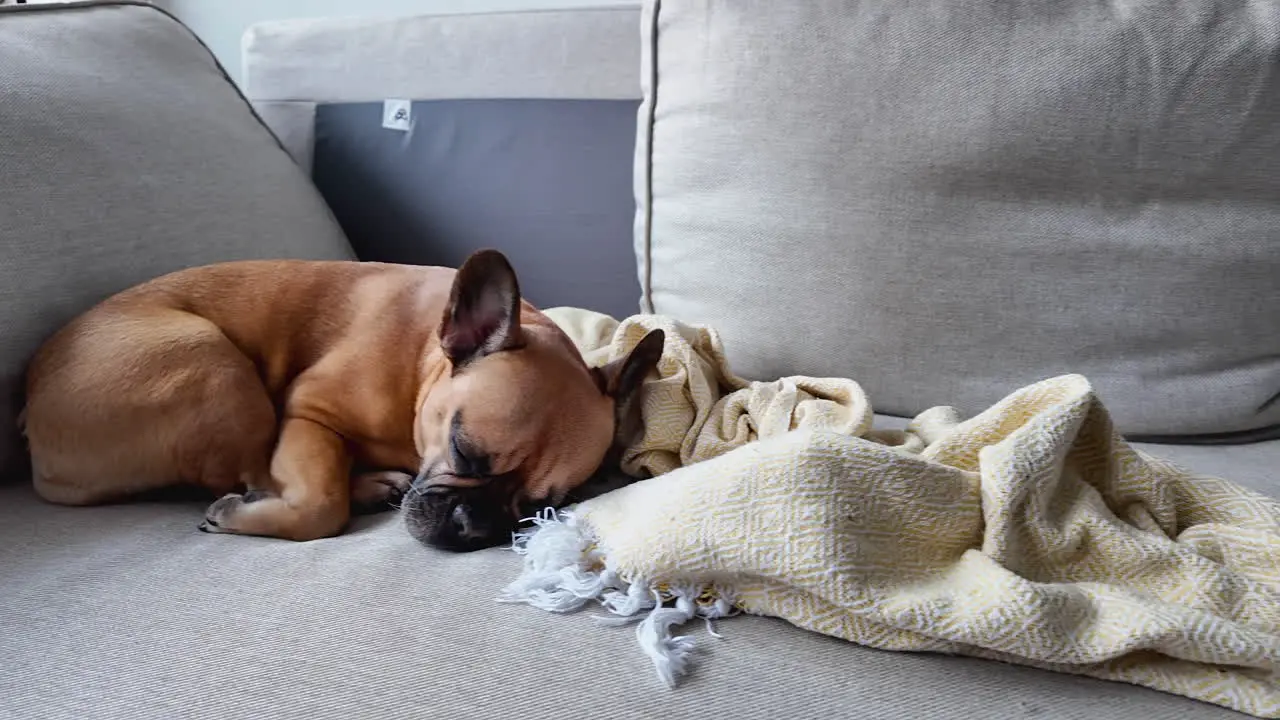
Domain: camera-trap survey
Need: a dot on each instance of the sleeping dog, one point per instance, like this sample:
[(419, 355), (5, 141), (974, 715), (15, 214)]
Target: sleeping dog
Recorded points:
[(297, 390)]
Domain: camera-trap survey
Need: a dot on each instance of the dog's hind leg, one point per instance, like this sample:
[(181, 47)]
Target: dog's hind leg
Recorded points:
[(131, 400)]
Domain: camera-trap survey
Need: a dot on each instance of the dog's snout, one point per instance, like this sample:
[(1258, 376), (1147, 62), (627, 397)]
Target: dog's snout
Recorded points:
[(421, 485), (458, 519)]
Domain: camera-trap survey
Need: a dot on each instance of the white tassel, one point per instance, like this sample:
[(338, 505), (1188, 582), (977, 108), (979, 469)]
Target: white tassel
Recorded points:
[(563, 572), (670, 655), (636, 598), (552, 552)]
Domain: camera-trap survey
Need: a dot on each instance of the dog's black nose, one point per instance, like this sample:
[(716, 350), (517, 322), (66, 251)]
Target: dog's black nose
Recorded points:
[(457, 519)]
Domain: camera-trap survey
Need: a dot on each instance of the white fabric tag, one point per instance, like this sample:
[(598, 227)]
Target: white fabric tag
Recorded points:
[(397, 114)]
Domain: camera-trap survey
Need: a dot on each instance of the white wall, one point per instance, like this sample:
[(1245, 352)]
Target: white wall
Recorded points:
[(221, 23)]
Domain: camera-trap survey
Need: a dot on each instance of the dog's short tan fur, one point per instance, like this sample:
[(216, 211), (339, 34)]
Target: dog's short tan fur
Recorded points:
[(276, 379)]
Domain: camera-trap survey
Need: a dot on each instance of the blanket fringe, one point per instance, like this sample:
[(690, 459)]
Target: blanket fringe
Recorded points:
[(564, 571)]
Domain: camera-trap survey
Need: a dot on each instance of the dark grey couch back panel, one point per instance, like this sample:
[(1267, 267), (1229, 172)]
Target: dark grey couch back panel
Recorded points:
[(548, 182)]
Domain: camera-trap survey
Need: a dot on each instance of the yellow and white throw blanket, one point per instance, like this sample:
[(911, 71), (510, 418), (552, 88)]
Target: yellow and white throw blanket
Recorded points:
[(1031, 533)]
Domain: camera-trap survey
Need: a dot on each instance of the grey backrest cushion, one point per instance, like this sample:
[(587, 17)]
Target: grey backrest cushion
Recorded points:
[(521, 136), (948, 200), (126, 153)]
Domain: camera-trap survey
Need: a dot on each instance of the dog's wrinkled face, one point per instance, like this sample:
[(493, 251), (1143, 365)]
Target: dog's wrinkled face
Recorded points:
[(519, 422)]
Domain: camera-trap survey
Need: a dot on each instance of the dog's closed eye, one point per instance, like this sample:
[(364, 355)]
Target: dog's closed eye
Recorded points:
[(466, 460), (465, 463)]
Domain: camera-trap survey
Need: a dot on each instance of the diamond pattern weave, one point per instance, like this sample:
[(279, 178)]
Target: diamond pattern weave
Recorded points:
[(1031, 533)]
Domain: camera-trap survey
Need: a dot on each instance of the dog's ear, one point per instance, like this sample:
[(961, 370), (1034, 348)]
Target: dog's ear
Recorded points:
[(483, 316), (622, 380)]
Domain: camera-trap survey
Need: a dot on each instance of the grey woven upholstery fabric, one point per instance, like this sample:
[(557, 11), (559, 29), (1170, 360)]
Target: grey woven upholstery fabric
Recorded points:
[(948, 200), (127, 612)]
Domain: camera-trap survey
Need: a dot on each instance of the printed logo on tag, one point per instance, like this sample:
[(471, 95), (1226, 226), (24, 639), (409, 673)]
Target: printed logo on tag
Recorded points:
[(397, 114)]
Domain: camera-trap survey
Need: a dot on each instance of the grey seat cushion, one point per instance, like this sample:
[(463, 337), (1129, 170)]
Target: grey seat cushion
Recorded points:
[(128, 612), (126, 153), (946, 200)]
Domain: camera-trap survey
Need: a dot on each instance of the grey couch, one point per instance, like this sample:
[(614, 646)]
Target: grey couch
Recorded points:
[(125, 152)]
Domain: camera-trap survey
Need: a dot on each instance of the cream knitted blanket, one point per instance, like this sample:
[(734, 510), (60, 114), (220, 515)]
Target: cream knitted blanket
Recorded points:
[(1031, 533)]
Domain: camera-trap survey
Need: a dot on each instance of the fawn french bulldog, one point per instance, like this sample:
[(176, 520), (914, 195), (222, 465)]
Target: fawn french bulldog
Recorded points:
[(299, 390)]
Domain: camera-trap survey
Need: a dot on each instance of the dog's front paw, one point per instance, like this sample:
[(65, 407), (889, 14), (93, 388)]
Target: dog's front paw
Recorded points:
[(377, 491), (219, 518)]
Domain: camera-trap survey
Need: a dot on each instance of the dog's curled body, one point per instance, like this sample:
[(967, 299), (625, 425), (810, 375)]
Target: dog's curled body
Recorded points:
[(270, 382)]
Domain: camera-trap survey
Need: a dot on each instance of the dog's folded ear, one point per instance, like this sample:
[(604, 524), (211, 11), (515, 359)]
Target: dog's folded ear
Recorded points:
[(483, 315), (622, 380)]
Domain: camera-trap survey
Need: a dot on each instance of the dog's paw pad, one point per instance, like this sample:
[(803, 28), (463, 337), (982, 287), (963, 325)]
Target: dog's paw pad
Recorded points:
[(217, 517), (378, 491)]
